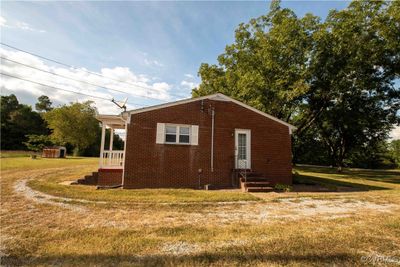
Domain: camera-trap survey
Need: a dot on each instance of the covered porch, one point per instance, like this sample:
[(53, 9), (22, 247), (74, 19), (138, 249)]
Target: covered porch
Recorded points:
[(110, 158)]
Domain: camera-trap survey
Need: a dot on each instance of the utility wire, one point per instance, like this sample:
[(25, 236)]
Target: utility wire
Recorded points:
[(61, 89), (66, 77), (80, 69)]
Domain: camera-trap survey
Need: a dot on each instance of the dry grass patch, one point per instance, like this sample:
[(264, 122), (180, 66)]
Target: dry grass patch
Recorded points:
[(295, 229)]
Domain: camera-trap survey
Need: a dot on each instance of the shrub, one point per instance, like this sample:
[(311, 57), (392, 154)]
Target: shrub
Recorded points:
[(283, 187), (37, 142)]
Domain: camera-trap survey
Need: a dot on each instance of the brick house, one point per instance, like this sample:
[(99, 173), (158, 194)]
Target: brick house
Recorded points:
[(213, 140)]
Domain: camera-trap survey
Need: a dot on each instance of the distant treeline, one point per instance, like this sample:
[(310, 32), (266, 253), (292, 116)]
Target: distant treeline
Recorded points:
[(73, 126)]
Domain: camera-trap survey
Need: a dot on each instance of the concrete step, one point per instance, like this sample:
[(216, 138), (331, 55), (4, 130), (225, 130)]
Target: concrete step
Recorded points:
[(258, 183), (89, 179), (82, 181), (254, 174), (254, 179), (259, 189)]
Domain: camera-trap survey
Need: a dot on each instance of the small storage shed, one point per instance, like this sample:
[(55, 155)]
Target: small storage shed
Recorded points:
[(54, 152)]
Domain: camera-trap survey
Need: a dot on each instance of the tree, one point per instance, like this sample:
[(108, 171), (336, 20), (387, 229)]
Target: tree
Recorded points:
[(37, 142), (358, 65), (334, 78), (394, 148), (17, 121), (43, 104), (74, 124), (266, 67), (94, 149)]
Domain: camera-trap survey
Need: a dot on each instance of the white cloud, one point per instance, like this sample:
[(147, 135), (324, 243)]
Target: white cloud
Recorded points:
[(156, 63), (21, 25), (395, 133), (188, 84), (26, 27), (136, 87), (3, 21)]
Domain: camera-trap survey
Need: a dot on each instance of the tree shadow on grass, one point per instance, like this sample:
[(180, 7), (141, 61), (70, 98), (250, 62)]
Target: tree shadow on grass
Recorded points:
[(331, 185), (201, 259), (386, 176), (75, 158)]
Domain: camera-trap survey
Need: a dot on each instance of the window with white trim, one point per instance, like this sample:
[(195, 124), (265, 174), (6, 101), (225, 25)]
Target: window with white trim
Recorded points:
[(177, 134)]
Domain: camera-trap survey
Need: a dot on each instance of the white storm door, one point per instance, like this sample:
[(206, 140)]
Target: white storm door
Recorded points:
[(242, 149)]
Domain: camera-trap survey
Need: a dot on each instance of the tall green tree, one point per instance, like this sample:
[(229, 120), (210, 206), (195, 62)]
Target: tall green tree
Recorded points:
[(394, 150), (354, 68), (335, 78), (94, 149), (17, 121), (43, 104), (74, 124), (266, 67)]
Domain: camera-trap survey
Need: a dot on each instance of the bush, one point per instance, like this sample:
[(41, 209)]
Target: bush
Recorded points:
[(37, 142), (283, 187)]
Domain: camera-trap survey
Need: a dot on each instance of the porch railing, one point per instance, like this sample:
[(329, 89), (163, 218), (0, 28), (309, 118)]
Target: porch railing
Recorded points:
[(112, 159)]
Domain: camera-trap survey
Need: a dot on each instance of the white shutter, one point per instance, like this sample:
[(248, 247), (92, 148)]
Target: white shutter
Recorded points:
[(195, 135), (160, 136)]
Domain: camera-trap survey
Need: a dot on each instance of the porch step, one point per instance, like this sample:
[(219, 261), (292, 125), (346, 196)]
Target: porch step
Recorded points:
[(260, 189), (256, 187), (254, 181), (89, 179), (259, 183), (248, 173), (254, 174)]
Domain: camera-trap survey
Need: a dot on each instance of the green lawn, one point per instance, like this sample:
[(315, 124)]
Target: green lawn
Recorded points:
[(15, 153), (51, 184), (26, 163), (139, 195)]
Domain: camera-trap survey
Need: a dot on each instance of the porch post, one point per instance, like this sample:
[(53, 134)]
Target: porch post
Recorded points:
[(110, 148), (103, 137), (111, 138)]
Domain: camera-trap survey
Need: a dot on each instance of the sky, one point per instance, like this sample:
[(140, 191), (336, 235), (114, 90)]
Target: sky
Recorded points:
[(154, 48)]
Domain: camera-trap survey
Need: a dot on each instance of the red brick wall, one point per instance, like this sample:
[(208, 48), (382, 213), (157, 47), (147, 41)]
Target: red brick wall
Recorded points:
[(110, 177), (164, 165)]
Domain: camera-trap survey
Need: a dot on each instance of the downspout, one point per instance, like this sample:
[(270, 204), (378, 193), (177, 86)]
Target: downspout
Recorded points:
[(212, 138)]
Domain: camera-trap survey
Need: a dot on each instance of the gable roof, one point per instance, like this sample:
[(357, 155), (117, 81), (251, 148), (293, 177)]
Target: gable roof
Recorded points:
[(218, 97)]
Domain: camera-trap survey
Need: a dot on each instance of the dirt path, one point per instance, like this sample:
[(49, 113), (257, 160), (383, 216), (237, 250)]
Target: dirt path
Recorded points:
[(39, 229), (216, 213), (21, 188)]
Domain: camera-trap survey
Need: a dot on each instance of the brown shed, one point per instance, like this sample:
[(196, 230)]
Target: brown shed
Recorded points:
[(54, 152)]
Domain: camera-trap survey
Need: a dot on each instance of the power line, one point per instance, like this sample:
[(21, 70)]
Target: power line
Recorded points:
[(62, 89), (66, 77), (79, 69)]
